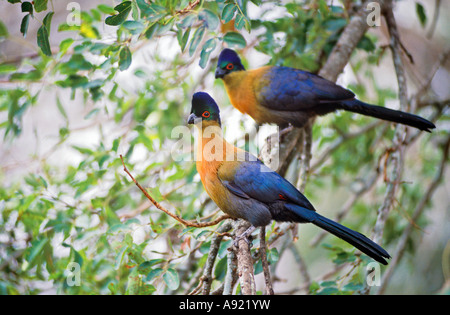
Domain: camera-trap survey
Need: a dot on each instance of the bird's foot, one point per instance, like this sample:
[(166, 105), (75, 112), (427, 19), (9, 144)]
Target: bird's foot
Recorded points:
[(245, 236)]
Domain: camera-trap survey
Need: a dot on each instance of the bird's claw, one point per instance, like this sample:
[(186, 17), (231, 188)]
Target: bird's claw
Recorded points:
[(246, 236), (246, 239)]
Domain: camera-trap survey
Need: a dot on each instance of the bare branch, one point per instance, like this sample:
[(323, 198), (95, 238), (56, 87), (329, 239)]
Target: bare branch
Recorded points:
[(189, 7), (245, 261), (157, 205), (347, 42), (402, 242), (265, 263), (213, 250), (231, 276), (395, 157)]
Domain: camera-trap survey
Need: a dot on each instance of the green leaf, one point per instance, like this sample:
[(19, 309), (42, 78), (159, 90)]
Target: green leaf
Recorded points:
[(149, 32), (239, 21), (27, 7), (183, 38), (24, 25), (48, 21), (234, 40), (42, 40), (124, 9), (119, 257), (124, 58), (106, 9), (123, 6), (115, 145), (220, 269), (153, 274), (91, 113), (64, 45), (273, 256), (209, 18), (165, 27), (207, 49), (145, 267), (134, 11), (5, 68), (134, 283), (135, 27), (228, 12), (196, 39), (154, 12), (40, 5), (171, 279), (188, 21), (366, 44), (3, 30), (35, 250), (420, 10), (61, 108)]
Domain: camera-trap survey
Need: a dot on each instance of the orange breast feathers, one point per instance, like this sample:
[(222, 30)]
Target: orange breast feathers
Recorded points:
[(242, 86), (212, 151)]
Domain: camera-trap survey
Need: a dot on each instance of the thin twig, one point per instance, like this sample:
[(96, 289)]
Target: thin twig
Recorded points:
[(245, 261), (396, 155), (231, 276), (434, 19), (157, 205), (265, 263), (213, 251), (402, 242), (189, 7)]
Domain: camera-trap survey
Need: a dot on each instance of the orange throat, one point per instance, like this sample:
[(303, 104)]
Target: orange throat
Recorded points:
[(212, 149)]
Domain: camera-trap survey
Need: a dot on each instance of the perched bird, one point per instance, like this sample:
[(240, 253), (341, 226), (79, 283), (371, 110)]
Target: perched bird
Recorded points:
[(243, 187), (284, 96)]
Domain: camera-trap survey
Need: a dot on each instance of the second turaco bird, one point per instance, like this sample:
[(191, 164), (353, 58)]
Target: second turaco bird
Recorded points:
[(243, 187), (284, 95)]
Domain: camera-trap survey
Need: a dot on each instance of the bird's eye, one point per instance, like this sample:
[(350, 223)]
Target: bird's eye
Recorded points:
[(230, 66), (206, 114)]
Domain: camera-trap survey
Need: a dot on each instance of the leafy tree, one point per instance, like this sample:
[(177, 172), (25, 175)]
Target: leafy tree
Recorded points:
[(114, 79)]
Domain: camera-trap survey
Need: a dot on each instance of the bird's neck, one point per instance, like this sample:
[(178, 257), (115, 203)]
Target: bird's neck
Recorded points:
[(212, 147), (241, 87)]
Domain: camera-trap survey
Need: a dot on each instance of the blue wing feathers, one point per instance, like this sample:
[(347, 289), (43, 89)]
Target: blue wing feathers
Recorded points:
[(260, 182), (292, 89)]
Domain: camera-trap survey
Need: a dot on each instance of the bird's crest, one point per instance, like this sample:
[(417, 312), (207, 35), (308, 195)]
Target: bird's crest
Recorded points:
[(204, 107), (228, 62)]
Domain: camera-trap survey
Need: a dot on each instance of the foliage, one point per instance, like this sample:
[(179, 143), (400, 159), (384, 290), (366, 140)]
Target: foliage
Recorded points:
[(88, 211)]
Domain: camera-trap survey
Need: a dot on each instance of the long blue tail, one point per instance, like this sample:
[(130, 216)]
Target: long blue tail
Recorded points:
[(354, 238), (384, 113)]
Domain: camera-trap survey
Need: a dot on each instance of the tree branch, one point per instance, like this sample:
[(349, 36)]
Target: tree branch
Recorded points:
[(347, 42), (189, 7), (245, 261), (157, 205), (213, 250), (401, 244), (265, 263)]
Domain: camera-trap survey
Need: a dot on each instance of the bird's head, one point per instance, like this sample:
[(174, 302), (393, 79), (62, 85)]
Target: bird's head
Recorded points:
[(204, 109), (228, 62)]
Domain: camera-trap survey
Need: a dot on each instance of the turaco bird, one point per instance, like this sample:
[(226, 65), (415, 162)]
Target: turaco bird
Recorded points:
[(243, 187), (284, 96)]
